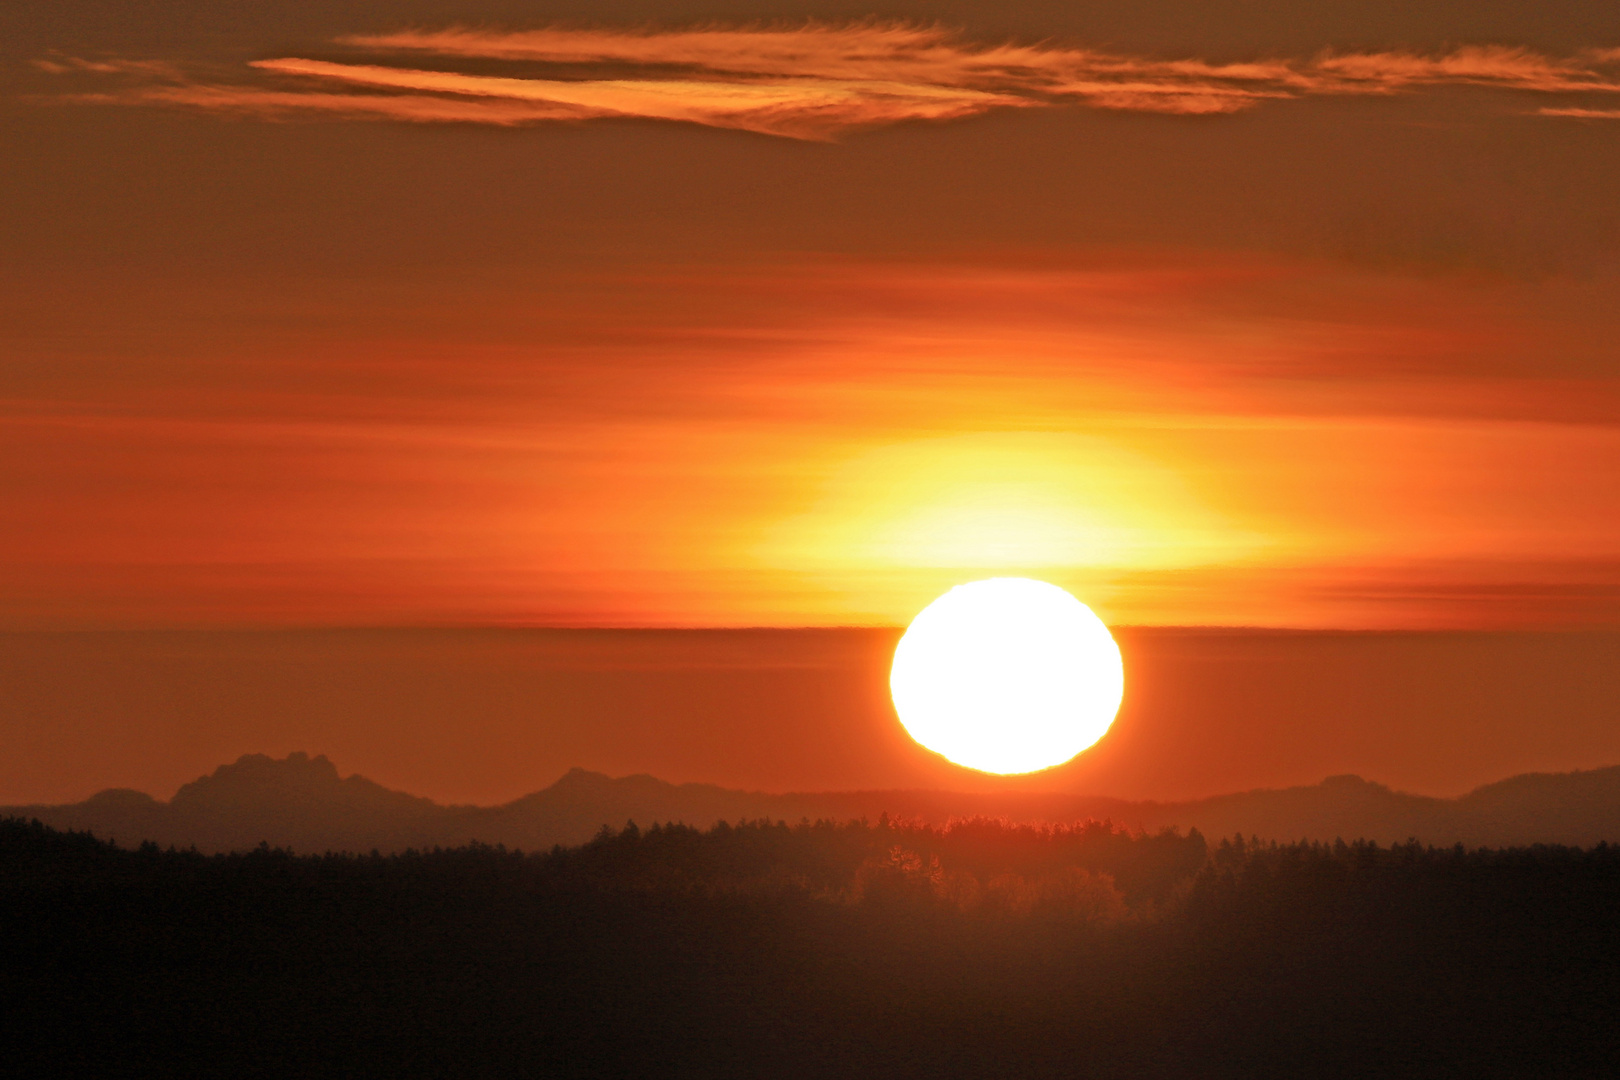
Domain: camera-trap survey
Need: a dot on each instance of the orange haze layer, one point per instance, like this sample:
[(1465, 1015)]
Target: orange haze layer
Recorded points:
[(1176, 436)]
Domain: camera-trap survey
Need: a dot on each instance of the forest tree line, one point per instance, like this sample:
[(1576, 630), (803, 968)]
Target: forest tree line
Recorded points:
[(816, 949)]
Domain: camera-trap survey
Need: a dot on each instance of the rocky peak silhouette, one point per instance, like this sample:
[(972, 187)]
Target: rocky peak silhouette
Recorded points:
[(259, 778), (297, 781)]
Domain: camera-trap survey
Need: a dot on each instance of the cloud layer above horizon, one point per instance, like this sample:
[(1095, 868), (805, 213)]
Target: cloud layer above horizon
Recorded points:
[(814, 81)]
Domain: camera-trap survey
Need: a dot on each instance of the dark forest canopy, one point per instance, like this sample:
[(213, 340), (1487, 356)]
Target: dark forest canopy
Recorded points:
[(852, 949)]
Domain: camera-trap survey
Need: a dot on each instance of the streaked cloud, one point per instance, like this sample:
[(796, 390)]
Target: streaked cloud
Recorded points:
[(805, 108), (808, 82), (1508, 68), (280, 104), (59, 64), (1582, 114)]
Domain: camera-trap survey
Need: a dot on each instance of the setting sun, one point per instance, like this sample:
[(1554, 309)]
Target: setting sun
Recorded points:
[(1007, 675)]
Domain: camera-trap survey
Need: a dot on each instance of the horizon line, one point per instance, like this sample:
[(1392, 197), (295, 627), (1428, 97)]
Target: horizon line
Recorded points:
[(1010, 790), (367, 627)]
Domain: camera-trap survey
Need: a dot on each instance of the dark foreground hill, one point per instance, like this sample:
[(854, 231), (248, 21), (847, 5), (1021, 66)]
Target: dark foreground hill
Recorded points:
[(852, 950), (302, 803)]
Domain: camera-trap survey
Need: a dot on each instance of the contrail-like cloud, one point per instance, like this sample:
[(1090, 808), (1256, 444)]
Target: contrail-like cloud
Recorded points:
[(805, 108), (1582, 114), (809, 82), (281, 104)]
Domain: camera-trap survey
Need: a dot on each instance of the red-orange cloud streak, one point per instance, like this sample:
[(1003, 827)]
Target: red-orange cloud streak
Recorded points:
[(816, 81)]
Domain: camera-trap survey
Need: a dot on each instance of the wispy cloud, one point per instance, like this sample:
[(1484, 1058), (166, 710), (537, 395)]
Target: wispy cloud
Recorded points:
[(59, 64), (1487, 65), (797, 107), (810, 82), (280, 104), (1582, 114)]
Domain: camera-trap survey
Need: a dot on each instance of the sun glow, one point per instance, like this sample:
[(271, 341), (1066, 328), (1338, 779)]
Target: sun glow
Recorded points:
[(1029, 501), (1007, 675)]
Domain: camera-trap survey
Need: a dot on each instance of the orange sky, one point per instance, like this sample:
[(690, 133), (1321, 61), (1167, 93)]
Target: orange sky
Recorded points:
[(1181, 437), (423, 317)]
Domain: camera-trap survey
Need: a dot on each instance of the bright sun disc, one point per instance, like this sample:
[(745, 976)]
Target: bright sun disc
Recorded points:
[(1007, 675)]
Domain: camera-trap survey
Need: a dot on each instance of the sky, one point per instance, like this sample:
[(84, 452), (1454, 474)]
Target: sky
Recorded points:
[(656, 314), (464, 319)]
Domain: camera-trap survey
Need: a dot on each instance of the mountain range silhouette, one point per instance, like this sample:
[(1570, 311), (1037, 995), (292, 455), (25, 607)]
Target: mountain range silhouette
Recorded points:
[(302, 803)]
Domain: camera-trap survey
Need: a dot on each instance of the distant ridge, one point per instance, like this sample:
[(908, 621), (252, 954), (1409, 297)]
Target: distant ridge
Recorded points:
[(301, 802)]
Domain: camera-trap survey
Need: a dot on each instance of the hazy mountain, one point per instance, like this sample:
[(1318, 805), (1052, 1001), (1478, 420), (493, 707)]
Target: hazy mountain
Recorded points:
[(302, 803)]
